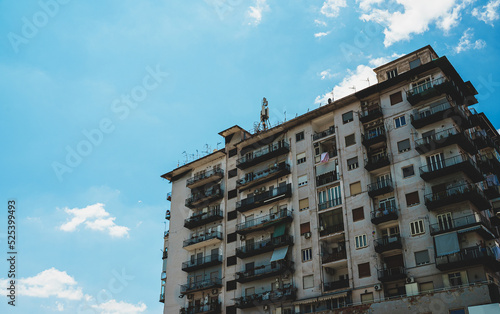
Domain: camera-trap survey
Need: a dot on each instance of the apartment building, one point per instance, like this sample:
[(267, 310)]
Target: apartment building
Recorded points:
[(383, 201)]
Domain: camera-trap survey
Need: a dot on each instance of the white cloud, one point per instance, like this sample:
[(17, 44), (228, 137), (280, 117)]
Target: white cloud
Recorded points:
[(320, 23), (321, 34), (326, 74), (383, 60), (366, 5), (414, 18), (60, 307), (331, 8), (95, 217), (113, 307), (255, 12), (466, 42), (48, 283), (489, 12)]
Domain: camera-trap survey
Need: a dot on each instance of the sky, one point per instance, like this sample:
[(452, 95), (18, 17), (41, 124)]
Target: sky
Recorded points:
[(98, 99)]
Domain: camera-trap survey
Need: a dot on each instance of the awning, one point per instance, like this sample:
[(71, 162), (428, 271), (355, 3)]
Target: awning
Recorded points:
[(336, 295), (446, 244), (324, 168), (279, 254), (279, 230)]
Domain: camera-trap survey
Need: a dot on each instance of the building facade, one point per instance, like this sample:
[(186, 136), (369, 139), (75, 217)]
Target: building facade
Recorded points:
[(382, 201)]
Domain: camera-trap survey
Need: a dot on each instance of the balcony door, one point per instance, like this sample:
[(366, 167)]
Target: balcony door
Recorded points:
[(394, 263), (445, 221), (435, 162), (383, 180), (388, 203)]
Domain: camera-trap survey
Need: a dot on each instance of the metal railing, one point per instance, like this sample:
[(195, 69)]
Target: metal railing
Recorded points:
[(265, 269), (326, 230), (333, 285), (334, 256), (264, 173), (467, 254), (325, 133), (441, 137), (251, 200), (202, 261), (283, 213), (326, 178), (199, 285), (204, 174), (215, 191), (388, 240), (376, 158), (213, 211), (384, 211), (195, 309), (256, 298), (391, 272), (453, 191), (201, 238), (428, 85), (459, 222), (443, 106), (448, 162), (263, 151), (380, 185), (330, 203), (269, 243), (373, 133)]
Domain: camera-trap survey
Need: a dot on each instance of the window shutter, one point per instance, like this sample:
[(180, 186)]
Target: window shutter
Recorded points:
[(412, 198), (396, 98), (404, 145), (364, 270), (303, 203), (358, 214), (355, 188), (304, 228)]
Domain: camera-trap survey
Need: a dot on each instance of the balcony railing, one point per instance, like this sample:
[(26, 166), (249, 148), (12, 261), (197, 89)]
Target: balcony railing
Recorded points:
[(201, 285), (368, 115), (331, 154), (202, 238), (392, 274), (211, 308), (373, 137), (489, 163), (445, 138), (325, 133), (200, 219), (377, 161), (432, 89), (205, 177), (334, 256), (462, 223), (384, 214), (468, 257), (262, 154), (263, 246), (330, 203), (265, 197), (451, 165), (256, 178), (457, 194), (264, 222), (482, 140), (380, 187), (265, 271), (285, 294), (202, 262), (334, 285), (202, 197), (389, 243), (326, 178), (330, 229), (169, 196), (439, 112)]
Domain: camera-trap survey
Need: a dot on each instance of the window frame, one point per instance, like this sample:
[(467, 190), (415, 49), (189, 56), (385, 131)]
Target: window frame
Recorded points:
[(413, 227), (358, 241), (400, 123), (402, 151), (301, 183), (305, 208), (299, 136), (411, 175), (353, 135), (306, 255), (428, 258), (304, 281), (351, 166), (358, 216), (412, 204), (344, 120), (396, 98), (302, 158)]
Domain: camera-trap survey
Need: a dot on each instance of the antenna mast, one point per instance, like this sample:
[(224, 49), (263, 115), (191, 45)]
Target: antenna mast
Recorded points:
[(264, 115)]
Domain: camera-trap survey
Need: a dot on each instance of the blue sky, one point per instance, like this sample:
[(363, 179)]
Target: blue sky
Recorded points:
[(99, 99)]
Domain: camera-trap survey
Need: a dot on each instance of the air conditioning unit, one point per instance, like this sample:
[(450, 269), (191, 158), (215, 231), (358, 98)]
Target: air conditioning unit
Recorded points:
[(190, 296), (410, 280), (307, 235), (242, 237), (377, 287), (321, 228), (266, 307)]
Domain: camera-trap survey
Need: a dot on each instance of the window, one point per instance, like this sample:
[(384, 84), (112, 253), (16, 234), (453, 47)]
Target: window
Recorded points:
[(355, 188), (231, 260), (306, 255), (412, 199), (408, 171), (232, 215), (364, 270), (302, 180), (231, 285), (399, 121), (308, 281), (299, 136), (352, 163), (396, 98), (415, 63), (404, 146), (350, 140), (232, 173), (232, 194), (358, 214), (445, 221), (233, 152), (301, 158), (347, 117), (367, 297), (417, 227), (305, 228), (422, 257), (361, 241), (455, 279), (426, 286), (304, 204), (330, 197), (392, 73), (231, 237)]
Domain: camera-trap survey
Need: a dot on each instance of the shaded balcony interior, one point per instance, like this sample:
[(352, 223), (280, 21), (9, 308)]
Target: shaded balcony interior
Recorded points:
[(278, 218), (483, 140), (203, 238), (325, 150), (329, 198), (272, 269), (438, 166), (468, 257), (377, 159), (370, 111), (385, 210), (195, 286), (476, 222), (206, 215), (489, 163), (255, 178), (262, 154), (264, 197), (333, 251), (200, 262), (392, 268), (491, 186), (374, 135), (335, 278), (212, 307), (427, 89), (431, 141), (326, 132), (204, 177), (382, 185), (284, 292), (252, 247), (331, 222), (437, 111), (204, 195), (456, 192), (388, 243)]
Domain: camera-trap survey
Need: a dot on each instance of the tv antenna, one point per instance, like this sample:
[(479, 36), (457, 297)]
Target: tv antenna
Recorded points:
[(264, 116)]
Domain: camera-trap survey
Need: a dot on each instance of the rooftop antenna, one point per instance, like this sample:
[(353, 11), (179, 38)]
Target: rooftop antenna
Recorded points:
[(264, 114), (368, 80), (185, 156), (218, 145), (353, 87)]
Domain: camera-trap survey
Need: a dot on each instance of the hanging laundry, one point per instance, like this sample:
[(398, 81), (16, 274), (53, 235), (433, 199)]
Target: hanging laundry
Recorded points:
[(325, 157)]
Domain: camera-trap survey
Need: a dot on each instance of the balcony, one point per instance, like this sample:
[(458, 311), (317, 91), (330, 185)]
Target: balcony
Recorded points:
[(457, 194), (288, 293), (211, 308), (253, 179), (167, 215), (430, 90), (265, 271), (385, 244), (491, 189), (331, 153), (264, 222), (162, 297), (392, 274), (326, 178), (330, 204), (468, 222), (333, 257), (445, 138), (202, 240), (489, 163), (200, 219), (323, 134), (201, 285), (460, 163), (335, 285), (204, 177), (263, 246), (204, 197), (263, 154), (169, 196), (374, 137), (437, 113), (482, 140), (468, 257), (203, 262), (264, 198), (327, 230), (377, 161), (381, 215), (371, 114), (380, 187)]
